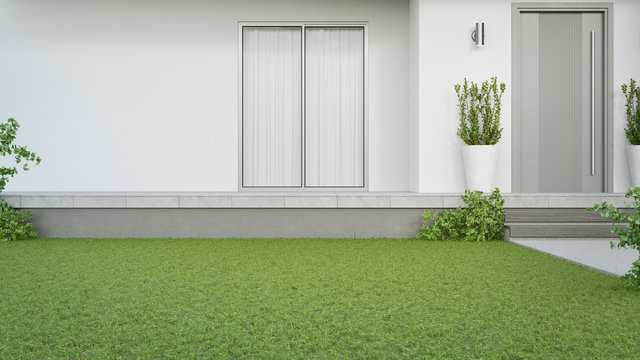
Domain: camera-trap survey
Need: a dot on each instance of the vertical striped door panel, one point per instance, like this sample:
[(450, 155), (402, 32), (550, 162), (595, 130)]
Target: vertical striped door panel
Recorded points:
[(555, 117), (561, 118)]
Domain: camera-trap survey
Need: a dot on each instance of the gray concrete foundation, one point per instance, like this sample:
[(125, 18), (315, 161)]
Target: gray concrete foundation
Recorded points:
[(244, 223)]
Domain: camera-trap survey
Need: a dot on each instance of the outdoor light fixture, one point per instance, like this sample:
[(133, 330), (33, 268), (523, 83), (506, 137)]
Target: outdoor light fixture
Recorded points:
[(478, 34)]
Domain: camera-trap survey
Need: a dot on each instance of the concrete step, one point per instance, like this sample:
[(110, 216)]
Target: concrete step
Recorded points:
[(554, 215), (573, 223), (560, 230)]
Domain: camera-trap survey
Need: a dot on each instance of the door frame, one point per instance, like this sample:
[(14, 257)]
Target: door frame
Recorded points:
[(607, 10)]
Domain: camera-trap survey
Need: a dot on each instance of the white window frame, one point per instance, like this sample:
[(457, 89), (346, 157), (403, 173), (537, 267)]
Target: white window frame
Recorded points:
[(303, 26)]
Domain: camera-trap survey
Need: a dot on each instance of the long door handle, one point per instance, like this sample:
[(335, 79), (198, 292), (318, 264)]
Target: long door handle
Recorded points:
[(593, 102)]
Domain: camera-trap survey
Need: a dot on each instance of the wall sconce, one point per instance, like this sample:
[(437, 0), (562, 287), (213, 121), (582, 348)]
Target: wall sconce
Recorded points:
[(478, 34)]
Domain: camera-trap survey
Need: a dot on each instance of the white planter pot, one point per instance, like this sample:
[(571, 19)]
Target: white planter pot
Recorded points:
[(633, 155), (480, 166)]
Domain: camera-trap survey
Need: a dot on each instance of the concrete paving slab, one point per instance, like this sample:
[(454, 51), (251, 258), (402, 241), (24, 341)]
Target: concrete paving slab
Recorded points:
[(593, 253)]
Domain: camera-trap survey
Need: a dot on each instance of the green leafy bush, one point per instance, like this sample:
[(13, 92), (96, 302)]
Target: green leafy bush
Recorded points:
[(632, 107), (14, 224), (481, 219), (629, 236), (8, 133), (480, 108)]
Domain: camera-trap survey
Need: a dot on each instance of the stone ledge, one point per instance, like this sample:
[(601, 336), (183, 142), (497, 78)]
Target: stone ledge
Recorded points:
[(284, 200)]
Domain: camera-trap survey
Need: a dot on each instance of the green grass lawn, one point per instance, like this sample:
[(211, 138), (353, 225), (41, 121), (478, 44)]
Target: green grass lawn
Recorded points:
[(306, 298)]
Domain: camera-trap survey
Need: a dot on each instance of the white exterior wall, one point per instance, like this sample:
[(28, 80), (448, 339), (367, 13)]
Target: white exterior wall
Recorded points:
[(446, 55), (626, 64), (143, 95)]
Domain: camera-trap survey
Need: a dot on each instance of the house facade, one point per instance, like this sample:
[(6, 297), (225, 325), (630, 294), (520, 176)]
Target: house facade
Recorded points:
[(247, 96), (147, 96)]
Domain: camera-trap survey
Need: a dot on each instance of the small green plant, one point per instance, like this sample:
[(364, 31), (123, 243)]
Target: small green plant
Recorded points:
[(480, 108), (632, 107), (481, 219), (14, 224), (630, 236)]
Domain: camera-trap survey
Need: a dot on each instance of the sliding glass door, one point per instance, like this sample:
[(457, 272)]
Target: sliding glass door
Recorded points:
[(303, 105)]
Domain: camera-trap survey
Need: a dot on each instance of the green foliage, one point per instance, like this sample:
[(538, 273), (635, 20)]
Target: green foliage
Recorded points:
[(632, 107), (8, 133), (14, 224), (481, 219), (480, 108), (629, 236)]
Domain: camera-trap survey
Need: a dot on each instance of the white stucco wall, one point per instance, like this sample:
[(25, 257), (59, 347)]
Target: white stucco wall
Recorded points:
[(120, 95), (446, 55), (142, 95), (626, 65)]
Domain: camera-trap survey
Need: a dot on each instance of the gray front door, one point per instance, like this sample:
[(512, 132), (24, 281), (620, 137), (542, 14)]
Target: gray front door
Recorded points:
[(559, 118)]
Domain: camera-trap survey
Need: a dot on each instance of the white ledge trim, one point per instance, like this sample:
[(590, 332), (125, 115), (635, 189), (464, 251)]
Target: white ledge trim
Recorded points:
[(326, 200)]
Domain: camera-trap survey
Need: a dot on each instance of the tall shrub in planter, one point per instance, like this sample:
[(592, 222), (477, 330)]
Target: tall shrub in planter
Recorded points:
[(632, 129), (14, 224), (480, 107)]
